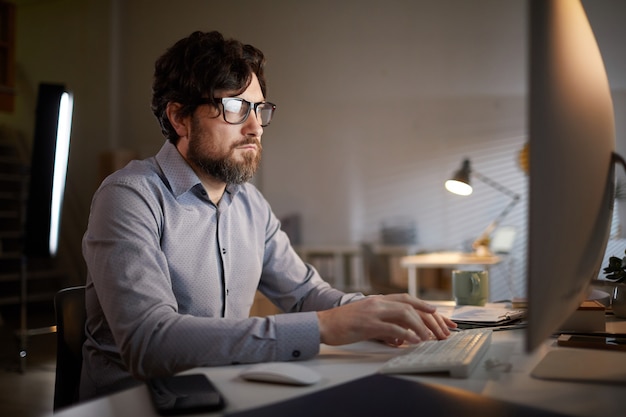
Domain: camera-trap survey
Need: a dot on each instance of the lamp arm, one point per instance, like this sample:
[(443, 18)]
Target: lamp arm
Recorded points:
[(495, 185), (480, 240), (484, 236)]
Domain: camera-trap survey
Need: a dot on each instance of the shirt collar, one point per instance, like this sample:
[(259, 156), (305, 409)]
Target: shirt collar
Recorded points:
[(179, 174)]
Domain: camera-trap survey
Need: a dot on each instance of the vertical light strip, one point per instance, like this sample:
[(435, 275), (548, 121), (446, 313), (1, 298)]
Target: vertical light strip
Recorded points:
[(61, 157)]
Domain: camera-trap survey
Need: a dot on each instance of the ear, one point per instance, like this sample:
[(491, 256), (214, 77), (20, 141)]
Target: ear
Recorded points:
[(178, 122)]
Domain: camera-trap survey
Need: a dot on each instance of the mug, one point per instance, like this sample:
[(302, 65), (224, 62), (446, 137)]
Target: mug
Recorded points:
[(470, 287)]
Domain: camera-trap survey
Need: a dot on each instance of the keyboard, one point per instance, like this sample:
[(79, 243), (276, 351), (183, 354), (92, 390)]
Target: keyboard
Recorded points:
[(457, 355)]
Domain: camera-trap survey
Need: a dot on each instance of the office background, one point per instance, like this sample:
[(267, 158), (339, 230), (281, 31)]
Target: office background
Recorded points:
[(378, 102)]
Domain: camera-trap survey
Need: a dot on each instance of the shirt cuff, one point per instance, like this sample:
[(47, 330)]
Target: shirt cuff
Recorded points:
[(298, 336)]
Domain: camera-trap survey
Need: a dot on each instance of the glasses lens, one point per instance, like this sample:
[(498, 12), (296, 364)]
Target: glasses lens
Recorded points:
[(235, 110), (264, 112)]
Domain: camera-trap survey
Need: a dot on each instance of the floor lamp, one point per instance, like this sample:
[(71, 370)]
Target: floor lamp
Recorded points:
[(46, 187)]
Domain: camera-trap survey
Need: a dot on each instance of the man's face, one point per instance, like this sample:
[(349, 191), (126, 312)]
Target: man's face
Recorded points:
[(228, 153)]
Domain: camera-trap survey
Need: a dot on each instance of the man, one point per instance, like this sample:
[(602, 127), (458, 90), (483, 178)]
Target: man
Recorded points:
[(178, 244)]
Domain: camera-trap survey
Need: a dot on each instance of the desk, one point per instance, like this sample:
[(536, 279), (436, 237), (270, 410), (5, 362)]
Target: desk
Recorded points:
[(441, 260), (342, 364)]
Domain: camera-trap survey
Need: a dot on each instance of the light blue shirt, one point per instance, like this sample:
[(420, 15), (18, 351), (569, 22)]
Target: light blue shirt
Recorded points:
[(172, 277)]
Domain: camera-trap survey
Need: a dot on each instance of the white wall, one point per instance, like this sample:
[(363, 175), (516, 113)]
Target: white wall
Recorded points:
[(379, 100)]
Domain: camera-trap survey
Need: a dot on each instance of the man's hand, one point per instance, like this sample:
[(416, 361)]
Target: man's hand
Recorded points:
[(393, 318)]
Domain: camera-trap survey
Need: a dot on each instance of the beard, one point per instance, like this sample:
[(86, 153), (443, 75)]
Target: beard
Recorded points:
[(222, 165)]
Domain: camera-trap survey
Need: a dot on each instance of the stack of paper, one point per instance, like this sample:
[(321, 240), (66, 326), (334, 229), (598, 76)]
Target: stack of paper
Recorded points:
[(485, 315)]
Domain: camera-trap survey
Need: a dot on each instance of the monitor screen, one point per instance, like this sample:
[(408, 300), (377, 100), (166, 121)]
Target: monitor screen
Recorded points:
[(572, 139)]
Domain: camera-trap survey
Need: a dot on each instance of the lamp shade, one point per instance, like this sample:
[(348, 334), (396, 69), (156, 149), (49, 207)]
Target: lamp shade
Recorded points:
[(460, 181)]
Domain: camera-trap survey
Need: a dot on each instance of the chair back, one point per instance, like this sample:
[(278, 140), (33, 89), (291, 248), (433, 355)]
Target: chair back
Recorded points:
[(502, 240), (69, 307)]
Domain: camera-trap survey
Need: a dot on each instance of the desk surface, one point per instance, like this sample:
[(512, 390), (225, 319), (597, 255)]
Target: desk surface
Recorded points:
[(439, 259), (342, 364)]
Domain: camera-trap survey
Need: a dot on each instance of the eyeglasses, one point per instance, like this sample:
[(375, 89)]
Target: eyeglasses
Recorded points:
[(236, 110)]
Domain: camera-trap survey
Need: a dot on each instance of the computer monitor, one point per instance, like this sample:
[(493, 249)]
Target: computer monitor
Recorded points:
[(572, 140)]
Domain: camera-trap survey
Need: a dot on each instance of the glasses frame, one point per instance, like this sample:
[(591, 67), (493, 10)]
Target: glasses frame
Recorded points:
[(251, 106)]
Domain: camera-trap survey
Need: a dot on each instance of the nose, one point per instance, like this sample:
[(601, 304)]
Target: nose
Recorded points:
[(252, 126)]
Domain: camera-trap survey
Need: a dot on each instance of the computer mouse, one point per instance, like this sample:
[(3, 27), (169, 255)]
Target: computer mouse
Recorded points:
[(281, 373)]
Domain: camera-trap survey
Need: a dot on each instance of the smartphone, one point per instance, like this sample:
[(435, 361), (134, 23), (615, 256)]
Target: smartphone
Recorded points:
[(592, 342), (182, 394)]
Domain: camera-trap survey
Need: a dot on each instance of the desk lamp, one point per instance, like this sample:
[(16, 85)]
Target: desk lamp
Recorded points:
[(460, 184)]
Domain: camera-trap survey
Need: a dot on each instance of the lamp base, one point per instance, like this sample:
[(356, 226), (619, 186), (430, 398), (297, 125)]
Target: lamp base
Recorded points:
[(482, 250)]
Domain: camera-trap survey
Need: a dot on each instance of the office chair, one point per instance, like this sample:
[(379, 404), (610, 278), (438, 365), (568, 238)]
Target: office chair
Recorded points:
[(69, 307)]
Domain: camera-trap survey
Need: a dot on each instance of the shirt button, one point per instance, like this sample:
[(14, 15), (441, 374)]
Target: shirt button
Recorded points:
[(223, 251), (295, 353)]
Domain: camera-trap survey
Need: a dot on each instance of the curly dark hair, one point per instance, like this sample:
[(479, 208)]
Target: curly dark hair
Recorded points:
[(197, 66)]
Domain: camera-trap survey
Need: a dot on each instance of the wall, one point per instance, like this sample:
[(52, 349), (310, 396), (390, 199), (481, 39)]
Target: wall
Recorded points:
[(378, 101)]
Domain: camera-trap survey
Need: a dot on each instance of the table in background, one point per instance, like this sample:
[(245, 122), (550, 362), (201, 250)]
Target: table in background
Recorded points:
[(442, 260), (342, 265)]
